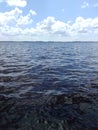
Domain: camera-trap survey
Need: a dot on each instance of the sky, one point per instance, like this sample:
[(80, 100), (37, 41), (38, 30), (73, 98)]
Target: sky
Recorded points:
[(48, 20)]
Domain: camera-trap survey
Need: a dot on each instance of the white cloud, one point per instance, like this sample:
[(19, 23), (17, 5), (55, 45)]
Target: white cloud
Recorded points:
[(81, 25), (18, 3), (85, 29), (10, 31), (15, 17), (9, 17), (32, 12), (15, 25), (53, 29), (13, 22), (85, 5), (46, 24), (24, 20), (51, 25)]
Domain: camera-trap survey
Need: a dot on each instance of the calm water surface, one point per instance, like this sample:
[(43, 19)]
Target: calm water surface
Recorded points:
[(63, 73)]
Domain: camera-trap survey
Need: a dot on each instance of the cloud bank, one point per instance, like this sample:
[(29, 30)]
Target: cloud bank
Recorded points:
[(14, 25)]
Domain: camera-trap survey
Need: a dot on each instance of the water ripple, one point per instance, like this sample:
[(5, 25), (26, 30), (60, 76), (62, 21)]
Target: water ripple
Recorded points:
[(47, 68), (48, 86)]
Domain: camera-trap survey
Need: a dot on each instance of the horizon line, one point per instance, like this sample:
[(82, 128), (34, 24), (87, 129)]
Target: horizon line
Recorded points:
[(44, 41)]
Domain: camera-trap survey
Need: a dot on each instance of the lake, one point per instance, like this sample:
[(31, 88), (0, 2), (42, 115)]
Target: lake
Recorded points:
[(48, 85)]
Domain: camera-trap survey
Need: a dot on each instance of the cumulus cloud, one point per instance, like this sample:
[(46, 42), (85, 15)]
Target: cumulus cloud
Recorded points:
[(46, 24), (32, 12), (15, 25), (13, 22), (52, 26), (10, 17), (16, 16), (24, 20), (17, 3), (85, 5), (83, 26), (80, 28)]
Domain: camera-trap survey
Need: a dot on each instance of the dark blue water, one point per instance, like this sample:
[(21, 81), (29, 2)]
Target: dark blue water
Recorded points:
[(29, 70)]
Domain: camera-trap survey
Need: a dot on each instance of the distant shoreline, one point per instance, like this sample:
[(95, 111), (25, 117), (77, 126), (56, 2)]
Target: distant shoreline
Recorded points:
[(54, 41)]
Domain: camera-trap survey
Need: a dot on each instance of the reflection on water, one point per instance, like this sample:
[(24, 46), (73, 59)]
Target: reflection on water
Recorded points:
[(56, 83)]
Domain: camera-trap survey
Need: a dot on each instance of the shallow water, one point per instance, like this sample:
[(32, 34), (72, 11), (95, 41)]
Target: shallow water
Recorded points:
[(57, 83)]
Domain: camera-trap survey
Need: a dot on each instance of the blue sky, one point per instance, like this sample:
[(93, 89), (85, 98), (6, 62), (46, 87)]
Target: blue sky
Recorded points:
[(49, 20)]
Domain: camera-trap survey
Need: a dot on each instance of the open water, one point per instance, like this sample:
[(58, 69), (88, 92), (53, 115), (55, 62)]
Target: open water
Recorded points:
[(48, 86)]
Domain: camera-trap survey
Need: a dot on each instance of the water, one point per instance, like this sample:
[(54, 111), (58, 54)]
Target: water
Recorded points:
[(60, 79)]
